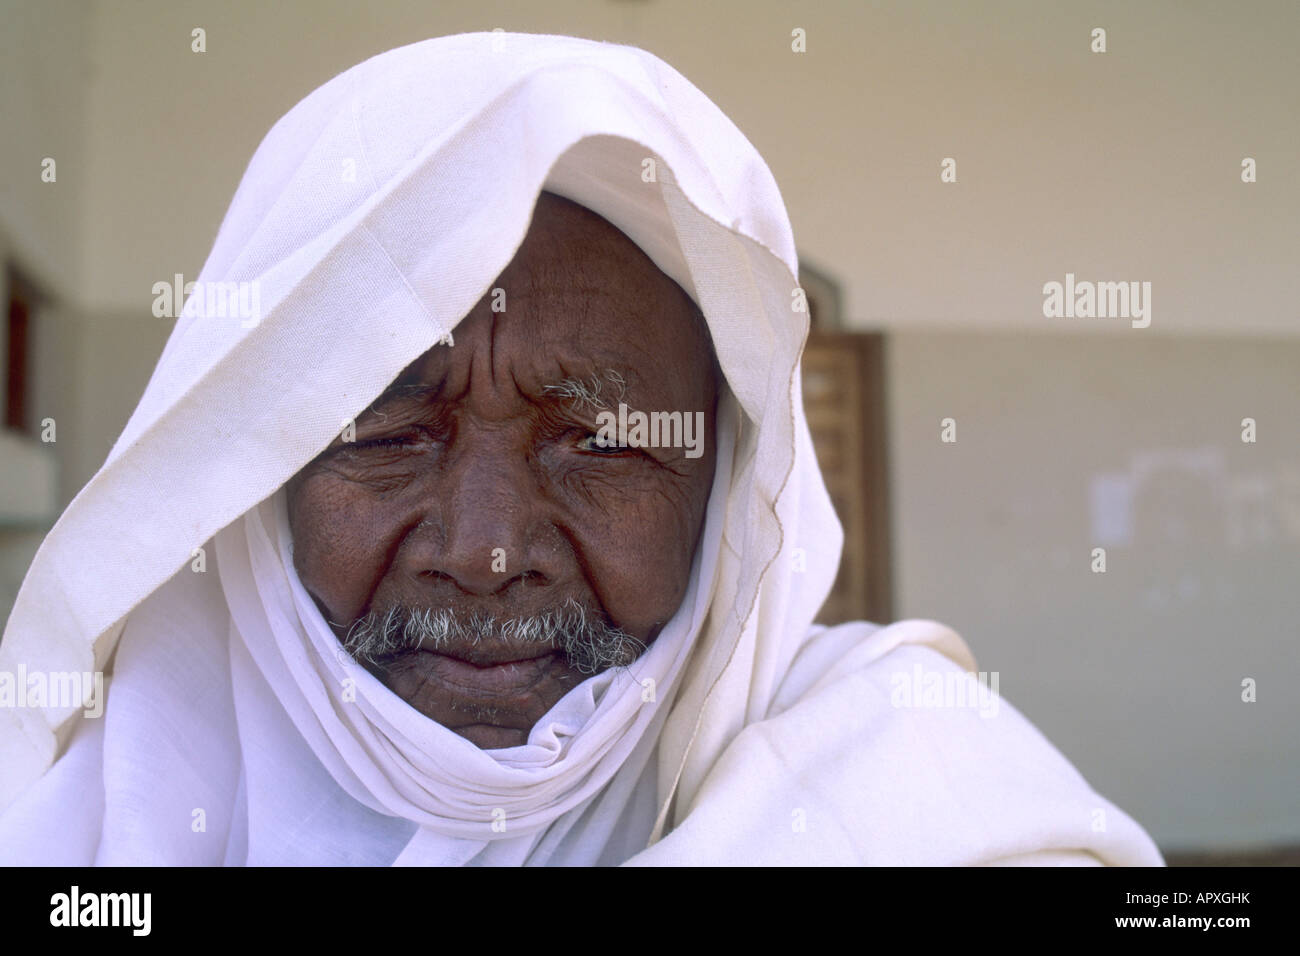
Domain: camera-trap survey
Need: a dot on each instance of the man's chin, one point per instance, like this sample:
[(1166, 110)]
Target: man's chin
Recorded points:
[(494, 706), (488, 737)]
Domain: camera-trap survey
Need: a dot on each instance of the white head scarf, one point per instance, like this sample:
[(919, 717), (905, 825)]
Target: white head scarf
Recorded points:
[(227, 698)]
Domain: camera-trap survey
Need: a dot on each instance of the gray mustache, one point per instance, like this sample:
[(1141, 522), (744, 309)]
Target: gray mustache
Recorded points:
[(588, 644)]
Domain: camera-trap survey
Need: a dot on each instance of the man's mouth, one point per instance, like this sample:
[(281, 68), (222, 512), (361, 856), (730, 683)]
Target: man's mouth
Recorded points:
[(483, 676), (489, 680), (399, 636), (489, 653)]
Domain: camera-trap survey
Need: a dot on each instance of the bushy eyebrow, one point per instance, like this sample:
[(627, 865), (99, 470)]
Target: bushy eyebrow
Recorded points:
[(599, 391)]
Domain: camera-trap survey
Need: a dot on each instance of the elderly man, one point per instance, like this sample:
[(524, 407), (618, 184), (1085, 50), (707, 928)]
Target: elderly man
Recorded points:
[(497, 537), (478, 485)]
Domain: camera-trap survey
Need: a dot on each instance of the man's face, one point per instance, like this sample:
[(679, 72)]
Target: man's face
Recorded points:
[(478, 484)]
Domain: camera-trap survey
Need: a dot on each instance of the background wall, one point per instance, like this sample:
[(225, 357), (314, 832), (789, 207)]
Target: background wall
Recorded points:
[(1069, 443), (1072, 433)]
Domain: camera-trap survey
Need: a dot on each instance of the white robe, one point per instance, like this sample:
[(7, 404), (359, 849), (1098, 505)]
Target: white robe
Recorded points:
[(377, 212)]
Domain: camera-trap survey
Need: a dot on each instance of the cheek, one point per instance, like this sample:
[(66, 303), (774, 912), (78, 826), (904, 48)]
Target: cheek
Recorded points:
[(638, 548), (341, 542)]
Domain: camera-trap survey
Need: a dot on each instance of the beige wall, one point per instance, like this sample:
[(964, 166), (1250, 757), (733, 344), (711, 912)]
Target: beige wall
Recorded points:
[(44, 56), (1066, 444), (1123, 165)]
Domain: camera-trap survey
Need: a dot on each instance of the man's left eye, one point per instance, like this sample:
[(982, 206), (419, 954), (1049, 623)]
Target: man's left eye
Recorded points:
[(593, 443)]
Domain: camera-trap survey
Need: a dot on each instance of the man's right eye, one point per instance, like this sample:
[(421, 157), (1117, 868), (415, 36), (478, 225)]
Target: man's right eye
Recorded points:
[(412, 438), (394, 441)]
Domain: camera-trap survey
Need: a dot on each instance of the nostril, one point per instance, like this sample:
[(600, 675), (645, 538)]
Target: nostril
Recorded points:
[(484, 584)]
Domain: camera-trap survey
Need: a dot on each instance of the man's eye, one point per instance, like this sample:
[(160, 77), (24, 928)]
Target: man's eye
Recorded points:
[(593, 443), (390, 442)]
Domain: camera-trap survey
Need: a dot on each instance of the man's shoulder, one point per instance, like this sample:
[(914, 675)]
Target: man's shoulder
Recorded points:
[(885, 746)]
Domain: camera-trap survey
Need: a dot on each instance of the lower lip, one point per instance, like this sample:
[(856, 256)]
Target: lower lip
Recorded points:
[(496, 680)]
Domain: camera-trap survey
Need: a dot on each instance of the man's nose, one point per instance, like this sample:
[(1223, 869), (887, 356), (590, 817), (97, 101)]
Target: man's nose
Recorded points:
[(488, 528)]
